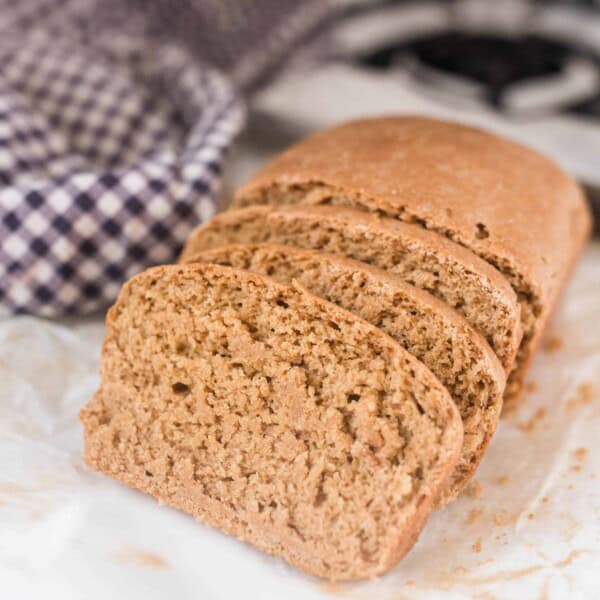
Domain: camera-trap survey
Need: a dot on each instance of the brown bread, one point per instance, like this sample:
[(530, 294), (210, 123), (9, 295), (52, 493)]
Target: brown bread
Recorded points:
[(272, 414), (425, 259), (434, 333), (508, 204)]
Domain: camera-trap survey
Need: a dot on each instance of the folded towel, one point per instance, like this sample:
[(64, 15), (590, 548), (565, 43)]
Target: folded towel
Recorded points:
[(112, 135)]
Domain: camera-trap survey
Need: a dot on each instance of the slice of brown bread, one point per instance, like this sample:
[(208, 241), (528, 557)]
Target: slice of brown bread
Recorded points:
[(434, 333), (272, 414), (424, 259), (507, 203)]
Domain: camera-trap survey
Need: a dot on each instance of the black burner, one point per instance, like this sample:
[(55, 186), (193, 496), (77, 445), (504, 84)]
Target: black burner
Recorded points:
[(492, 61)]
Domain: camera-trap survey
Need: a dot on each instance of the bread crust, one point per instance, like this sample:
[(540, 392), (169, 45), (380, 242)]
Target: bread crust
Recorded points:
[(105, 454), (510, 205)]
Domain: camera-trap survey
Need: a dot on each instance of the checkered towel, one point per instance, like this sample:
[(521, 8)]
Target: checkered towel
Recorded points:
[(111, 142)]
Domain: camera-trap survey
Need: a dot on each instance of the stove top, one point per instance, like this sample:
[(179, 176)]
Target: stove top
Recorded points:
[(500, 69)]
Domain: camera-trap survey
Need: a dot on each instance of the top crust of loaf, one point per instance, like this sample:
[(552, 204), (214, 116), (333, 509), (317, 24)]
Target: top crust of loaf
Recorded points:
[(512, 206)]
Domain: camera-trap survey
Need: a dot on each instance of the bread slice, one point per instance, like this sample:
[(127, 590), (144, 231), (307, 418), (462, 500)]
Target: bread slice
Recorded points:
[(434, 333), (511, 206), (272, 414), (424, 259)]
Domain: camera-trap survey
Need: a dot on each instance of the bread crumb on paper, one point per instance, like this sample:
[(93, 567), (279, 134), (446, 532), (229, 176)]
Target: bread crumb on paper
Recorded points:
[(476, 547), (474, 489), (530, 387), (142, 558), (552, 344), (579, 455), (502, 518), (533, 421), (585, 395), (474, 514)]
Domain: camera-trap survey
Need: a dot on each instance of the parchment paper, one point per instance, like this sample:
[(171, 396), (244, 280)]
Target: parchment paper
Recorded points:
[(529, 527)]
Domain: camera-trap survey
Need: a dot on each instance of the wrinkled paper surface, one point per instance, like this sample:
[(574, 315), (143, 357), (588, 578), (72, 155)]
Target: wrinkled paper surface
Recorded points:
[(528, 528)]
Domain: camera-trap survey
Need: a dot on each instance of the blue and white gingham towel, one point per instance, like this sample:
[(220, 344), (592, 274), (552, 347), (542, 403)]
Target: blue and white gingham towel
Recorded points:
[(111, 143)]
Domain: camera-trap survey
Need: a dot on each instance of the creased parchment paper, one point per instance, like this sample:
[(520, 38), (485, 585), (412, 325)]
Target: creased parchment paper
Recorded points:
[(528, 528)]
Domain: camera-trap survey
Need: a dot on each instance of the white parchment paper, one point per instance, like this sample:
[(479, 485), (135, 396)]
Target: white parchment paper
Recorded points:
[(529, 527)]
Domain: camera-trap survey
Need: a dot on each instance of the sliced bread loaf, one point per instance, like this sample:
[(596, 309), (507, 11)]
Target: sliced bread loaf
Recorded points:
[(511, 206), (272, 414), (424, 259), (434, 333)]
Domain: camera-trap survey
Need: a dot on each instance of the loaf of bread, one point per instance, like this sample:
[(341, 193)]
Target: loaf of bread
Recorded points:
[(427, 260), (434, 333), (511, 206), (272, 414), (329, 360)]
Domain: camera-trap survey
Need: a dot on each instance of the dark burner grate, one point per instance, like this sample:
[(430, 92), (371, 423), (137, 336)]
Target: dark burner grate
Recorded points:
[(492, 61)]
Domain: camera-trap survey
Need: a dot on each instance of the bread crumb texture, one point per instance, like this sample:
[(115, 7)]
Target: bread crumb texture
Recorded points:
[(439, 337), (274, 415), (422, 258)]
